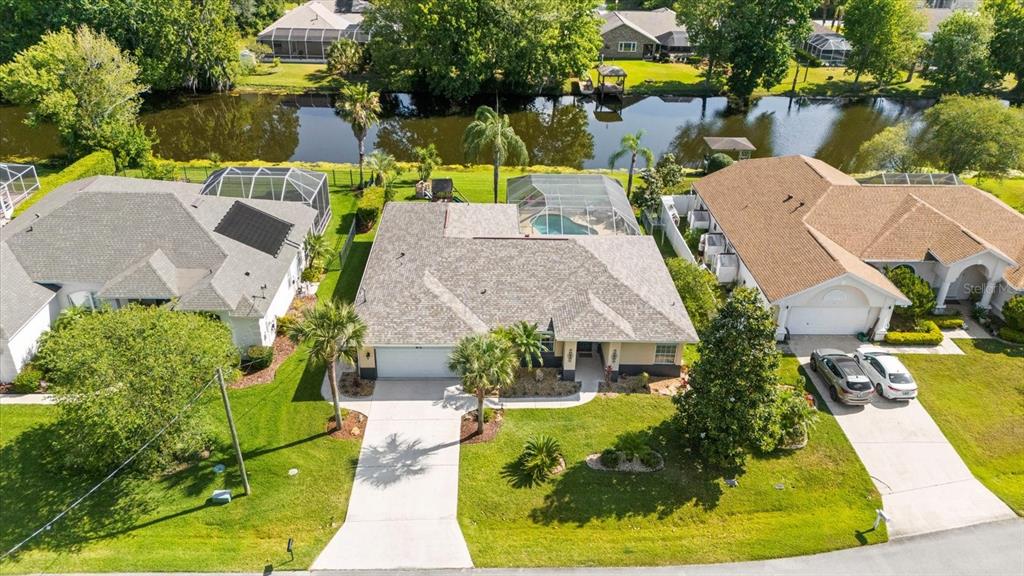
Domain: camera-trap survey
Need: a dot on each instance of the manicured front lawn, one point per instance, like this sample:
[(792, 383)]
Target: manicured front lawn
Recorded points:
[(1009, 190), (589, 518), (978, 402)]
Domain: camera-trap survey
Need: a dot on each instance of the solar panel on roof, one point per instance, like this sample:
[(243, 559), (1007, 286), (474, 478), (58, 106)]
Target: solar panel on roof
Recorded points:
[(254, 228)]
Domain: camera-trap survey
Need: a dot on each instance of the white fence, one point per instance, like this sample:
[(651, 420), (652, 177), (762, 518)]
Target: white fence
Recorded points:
[(682, 205)]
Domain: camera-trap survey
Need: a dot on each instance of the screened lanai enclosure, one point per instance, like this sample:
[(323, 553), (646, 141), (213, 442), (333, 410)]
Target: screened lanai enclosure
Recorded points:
[(571, 204), (17, 181), (305, 32), (831, 48), (281, 184)]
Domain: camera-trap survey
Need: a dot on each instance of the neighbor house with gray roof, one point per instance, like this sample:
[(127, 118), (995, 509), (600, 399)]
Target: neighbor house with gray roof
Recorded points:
[(111, 241), (815, 242), (304, 33), (439, 272), (632, 34)]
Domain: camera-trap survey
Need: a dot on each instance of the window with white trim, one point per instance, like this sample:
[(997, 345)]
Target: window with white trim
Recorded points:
[(627, 46), (665, 353)]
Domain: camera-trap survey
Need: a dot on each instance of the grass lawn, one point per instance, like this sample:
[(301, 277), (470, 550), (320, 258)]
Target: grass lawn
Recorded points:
[(978, 402), (589, 518), (1009, 190), (290, 77)]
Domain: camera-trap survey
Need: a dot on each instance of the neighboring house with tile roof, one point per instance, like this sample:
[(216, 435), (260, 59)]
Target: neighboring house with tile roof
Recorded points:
[(632, 34), (439, 272), (815, 242), (112, 241), (304, 33)]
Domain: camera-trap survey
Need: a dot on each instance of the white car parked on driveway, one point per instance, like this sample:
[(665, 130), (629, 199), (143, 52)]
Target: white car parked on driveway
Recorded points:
[(889, 376)]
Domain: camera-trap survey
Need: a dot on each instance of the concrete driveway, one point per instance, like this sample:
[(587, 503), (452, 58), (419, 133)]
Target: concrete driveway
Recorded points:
[(925, 486), (402, 510)]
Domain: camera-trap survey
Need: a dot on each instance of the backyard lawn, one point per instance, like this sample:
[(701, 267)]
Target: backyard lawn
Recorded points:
[(290, 77), (1009, 190), (824, 499), (978, 402)]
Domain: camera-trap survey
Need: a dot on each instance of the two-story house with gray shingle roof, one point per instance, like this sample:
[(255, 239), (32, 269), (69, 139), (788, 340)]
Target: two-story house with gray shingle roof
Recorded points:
[(109, 241), (440, 272)]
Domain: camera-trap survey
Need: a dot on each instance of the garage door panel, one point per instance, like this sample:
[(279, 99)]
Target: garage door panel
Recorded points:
[(413, 362), (826, 320)]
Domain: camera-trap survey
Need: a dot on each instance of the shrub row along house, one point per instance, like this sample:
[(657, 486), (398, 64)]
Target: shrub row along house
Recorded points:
[(564, 257), (815, 241), (110, 241)]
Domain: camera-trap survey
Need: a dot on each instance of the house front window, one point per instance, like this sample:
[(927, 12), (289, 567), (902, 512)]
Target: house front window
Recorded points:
[(627, 46), (548, 341), (665, 353)]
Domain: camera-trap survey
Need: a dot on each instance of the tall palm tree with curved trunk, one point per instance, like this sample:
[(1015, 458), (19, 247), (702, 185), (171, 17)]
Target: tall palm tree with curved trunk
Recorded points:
[(631, 145), (333, 331), (485, 363), (361, 109), (492, 131)]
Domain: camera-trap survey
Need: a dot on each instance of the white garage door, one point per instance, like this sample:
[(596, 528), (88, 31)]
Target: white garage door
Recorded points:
[(412, 362), (823, 320)]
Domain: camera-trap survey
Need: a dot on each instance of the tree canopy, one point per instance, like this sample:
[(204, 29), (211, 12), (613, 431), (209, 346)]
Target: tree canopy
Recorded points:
[(974, 133), (920, 293), (1007, 45), (884, 37), (698, 287), (459, 48), (958, 55), (891, 150), (252, 16), (119, 375), (83, 84)]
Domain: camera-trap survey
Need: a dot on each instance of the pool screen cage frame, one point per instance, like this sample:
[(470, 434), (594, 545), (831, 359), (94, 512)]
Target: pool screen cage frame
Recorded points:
[(283, 184), (17, 182), (832, 49), (593, 201), (308, 44)]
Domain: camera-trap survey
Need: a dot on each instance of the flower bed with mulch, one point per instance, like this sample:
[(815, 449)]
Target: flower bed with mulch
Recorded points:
[(283, 347), (348, 386), (469, 434), (658, 385), (353, 426), (626, 465), (528, 386)]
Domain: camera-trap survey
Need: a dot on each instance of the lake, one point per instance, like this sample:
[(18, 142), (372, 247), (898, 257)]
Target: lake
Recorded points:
[(564, 131)]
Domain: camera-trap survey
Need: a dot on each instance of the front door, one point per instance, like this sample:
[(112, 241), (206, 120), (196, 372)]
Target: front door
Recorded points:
[(585, 349), (648, 50)]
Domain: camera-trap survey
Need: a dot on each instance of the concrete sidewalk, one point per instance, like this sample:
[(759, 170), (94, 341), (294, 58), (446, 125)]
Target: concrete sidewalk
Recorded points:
[(23, 399), (925, 485), (402, 511)]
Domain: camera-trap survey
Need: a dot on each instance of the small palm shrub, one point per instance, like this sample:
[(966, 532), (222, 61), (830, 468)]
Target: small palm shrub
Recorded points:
[(541, 456)]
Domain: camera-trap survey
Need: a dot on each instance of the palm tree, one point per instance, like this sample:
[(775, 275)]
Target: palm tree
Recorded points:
[(631, 145), (484, 363), (492, 130), (528, 342), (361, 109), (317, 248), (383, 165), (333, 331)]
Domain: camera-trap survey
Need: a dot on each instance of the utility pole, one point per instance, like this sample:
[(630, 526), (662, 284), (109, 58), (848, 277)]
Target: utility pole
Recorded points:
[(234, 433)]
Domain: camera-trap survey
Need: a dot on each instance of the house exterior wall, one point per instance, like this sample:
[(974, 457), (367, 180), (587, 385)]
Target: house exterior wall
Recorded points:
[(623, 33), (19, 349), (1003, 293), (637, 357)]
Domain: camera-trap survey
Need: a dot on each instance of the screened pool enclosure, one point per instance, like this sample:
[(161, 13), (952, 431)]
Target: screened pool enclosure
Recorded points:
[(281, 184), (831, 48), (571, 204), (17, 181)]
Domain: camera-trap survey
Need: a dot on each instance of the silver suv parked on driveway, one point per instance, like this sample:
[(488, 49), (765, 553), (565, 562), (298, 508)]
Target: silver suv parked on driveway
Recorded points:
[(846, 382)]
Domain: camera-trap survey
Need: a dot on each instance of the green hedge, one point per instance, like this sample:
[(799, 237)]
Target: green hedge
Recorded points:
[(947, 322), (1011, 335), (98, 163), (27, 381), (258, 358), (370, 204), (929, 335)]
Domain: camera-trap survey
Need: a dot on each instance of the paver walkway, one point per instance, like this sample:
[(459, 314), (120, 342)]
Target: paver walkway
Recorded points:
[(925, 485), (402, 511)]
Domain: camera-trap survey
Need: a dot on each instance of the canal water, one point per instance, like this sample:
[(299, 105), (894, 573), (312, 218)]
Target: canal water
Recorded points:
[(565, 131)]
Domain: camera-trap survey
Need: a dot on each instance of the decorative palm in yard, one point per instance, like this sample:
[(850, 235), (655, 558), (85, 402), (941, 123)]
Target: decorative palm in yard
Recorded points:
[(333, 331), (631, 145), (317, 247), (492, 131), (383, 166), (485, 363), (527, 340), (361, 108)]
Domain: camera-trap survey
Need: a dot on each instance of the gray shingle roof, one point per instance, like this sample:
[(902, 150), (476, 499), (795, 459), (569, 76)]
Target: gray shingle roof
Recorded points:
[(20, 297), (423, 286), (140, 239)]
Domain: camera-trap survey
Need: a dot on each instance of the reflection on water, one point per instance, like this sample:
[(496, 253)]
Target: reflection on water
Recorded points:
[(562, 131)]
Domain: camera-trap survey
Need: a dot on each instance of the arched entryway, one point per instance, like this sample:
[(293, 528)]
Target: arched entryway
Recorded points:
[(969, 285)]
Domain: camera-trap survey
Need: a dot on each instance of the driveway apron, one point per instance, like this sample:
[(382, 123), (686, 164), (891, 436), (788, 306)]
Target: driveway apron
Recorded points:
[(402, 512), (925, 485)]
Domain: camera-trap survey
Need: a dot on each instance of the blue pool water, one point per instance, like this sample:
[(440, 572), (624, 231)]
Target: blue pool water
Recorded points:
[(548, 224)]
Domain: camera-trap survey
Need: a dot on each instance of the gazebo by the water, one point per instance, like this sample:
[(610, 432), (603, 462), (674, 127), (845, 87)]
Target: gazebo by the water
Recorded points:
[(729, 145), (617, 77)]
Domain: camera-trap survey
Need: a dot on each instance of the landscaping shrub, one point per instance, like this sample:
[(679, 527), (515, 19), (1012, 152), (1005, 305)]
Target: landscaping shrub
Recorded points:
[(650, 458), (27, 381), (1013, 312), (369, 207), (927, 335), (947, 322), (540, 457), (717, 162), (312, 273), (1011, 335), (287, 323), (259, 357), (610, 458), (920, 293), (488, 414)]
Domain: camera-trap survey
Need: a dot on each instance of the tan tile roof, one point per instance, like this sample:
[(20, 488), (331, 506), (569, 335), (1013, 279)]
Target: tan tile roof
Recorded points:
[(797, 222)]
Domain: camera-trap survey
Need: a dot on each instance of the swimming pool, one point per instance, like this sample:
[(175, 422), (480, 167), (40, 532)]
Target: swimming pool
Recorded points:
[(549, 224)]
